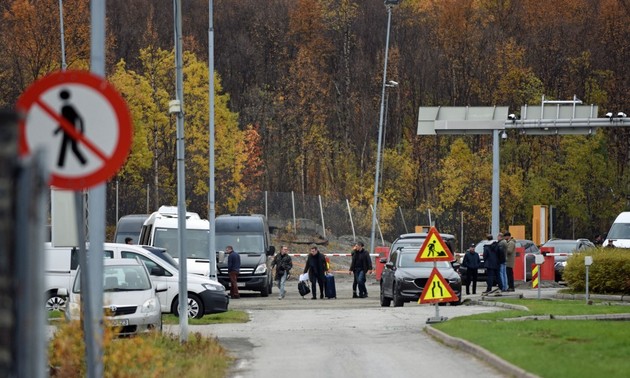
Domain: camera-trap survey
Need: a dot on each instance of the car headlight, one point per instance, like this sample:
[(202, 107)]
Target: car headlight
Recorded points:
[(150, 305), (213, 287), (455, 280), (260, 269)]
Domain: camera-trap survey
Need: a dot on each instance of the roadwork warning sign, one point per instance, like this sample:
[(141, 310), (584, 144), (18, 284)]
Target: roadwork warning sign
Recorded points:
[(434, 248), (437, 289)]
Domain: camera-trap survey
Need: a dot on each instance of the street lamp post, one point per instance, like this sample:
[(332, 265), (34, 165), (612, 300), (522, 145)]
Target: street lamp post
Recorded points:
[(390, 84), (389, 4)]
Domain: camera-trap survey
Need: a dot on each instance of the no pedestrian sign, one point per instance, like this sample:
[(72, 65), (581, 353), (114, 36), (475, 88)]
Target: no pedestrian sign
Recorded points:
[(82, 123)]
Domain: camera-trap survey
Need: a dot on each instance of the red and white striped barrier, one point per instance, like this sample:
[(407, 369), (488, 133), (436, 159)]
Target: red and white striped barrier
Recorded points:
[(330, 254)]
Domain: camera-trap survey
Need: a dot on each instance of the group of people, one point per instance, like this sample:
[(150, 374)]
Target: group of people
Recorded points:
[(316, 266), (498, 257)]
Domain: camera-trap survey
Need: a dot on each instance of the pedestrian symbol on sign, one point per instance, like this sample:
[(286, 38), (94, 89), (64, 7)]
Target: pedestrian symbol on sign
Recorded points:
[(69, 114), (81, 122)]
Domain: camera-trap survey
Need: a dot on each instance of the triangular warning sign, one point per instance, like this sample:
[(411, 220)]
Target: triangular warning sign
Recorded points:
[(437, 290), (434, 248)]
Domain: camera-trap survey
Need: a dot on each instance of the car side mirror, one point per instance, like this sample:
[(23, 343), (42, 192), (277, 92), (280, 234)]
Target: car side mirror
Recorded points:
[(383, 260), (390, 265), (220, 257), (271, 250)]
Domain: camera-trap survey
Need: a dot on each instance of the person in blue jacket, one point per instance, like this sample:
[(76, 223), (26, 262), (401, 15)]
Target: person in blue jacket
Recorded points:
[(234, 267), (471, 262)]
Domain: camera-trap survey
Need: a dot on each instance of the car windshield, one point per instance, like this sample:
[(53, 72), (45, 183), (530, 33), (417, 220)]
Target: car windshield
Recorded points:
[(120, 278), (562, 247), (162, 254), (242, 243), (196, 242), (619, 231), (407, 260)]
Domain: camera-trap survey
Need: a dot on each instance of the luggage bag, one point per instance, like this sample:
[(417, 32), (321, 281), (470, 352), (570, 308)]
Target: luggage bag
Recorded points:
[(303, 288), (329, 284)]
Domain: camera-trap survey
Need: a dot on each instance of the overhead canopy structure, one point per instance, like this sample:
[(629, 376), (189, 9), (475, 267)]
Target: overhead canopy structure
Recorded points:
[(459, 120)]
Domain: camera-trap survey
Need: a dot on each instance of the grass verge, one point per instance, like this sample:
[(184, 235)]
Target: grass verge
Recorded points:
[(230, 316), (551, 348)]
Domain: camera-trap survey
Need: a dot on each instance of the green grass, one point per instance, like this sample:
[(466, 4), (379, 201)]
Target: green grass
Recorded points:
[(55, 315), (230, 316), (551, 348)]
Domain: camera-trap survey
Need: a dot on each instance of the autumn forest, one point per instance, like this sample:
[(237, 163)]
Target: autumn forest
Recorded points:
[(298, 93)]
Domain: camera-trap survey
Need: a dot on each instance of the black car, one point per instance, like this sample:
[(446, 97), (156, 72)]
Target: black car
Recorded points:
[(567, 248), (403, 278)]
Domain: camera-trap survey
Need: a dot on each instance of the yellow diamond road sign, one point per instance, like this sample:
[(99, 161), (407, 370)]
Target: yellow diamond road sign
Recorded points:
[(434, 248), (437, 289)]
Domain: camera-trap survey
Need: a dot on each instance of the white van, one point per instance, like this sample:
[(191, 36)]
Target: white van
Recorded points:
[(160, 230), (619, 233), (60, 265)]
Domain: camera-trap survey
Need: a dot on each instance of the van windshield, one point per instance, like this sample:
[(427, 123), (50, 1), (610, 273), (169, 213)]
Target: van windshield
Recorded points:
[(196, 242), (242, 243), (619, 231)]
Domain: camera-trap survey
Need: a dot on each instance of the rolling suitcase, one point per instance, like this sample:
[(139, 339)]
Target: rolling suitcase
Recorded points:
[(329, 284), (303, 288)]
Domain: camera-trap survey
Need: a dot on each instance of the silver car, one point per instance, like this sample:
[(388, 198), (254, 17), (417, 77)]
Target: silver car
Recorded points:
[(129, 298)]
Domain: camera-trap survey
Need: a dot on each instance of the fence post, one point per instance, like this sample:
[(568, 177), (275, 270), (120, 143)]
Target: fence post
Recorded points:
[(354, 235), (321, 210)]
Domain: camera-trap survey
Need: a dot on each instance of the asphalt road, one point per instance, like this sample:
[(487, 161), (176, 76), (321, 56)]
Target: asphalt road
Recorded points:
[(341, 337)]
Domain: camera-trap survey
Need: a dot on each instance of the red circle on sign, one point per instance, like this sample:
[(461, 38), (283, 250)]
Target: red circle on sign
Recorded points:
[(32, 98)]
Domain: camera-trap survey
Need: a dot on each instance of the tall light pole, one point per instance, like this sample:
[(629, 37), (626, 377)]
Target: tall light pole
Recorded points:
[(63, 44), (389, 4), (389, 84)]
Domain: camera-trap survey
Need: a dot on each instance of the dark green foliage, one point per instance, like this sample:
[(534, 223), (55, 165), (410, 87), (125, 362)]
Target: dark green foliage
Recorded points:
[(609, 274)]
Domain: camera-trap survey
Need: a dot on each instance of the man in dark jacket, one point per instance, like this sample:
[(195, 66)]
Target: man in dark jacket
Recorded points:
[(234, 267), (316, 268), (361, 265), (491, 261), (471, 263), (282, 262)]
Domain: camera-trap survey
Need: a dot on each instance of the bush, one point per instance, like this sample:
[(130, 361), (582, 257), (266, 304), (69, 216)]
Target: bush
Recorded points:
[(609, 274), (149, 355)]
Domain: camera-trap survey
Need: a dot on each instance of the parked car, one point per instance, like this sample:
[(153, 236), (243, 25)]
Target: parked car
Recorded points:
[(205, 296), (130, 299), (416, 240), (403, 279), (568, 247)]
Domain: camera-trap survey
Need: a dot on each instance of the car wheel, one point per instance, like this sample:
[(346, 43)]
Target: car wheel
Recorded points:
[(385, 301), (195, 307), (55, 302), (398, 300), (265, 291), (458, 301)]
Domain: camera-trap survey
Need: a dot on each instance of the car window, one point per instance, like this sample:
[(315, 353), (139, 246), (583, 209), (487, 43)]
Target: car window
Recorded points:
[(408, 260), (393, 256), (150, 264), (562, 247), (108, 254), (619, 231)]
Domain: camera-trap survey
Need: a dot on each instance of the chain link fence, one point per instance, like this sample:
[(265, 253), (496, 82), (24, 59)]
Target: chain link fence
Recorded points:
[(329, 218)]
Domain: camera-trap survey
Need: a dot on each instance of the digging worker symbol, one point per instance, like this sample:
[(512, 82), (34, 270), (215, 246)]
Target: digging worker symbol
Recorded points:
[(70, 114), (432, 251)]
